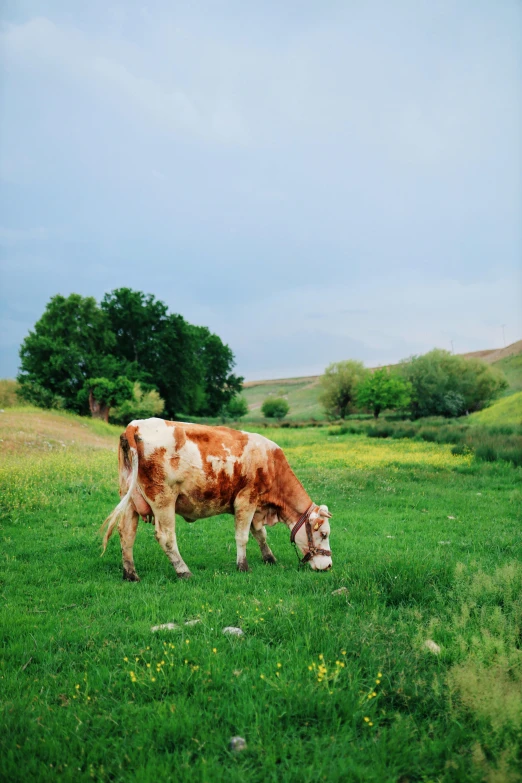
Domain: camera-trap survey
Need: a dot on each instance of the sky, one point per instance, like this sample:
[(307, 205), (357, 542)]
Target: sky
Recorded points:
[(312, 181)]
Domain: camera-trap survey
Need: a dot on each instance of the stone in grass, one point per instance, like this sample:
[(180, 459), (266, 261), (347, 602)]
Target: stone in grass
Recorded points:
[(173, 626), (432, 646), (340, 591), (232, 631), (164, 627), (237, 744)]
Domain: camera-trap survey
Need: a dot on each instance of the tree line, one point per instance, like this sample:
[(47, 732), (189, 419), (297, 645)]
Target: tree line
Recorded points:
[(128, 356), (437, 383)]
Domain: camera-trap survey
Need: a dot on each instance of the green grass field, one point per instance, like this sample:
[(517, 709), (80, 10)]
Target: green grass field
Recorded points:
[(323, 686), (507, 410)]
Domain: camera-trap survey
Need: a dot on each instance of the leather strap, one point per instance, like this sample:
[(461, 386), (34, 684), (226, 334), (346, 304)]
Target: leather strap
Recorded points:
[(304, 519), (300, 522)]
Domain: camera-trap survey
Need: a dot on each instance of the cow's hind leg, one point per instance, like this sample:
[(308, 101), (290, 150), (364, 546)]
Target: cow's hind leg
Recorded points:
[(127, 528), (266, 552), (165, 520)]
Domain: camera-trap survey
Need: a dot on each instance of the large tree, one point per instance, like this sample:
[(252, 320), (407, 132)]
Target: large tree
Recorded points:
[(447, 385), (216, 361), (69, 344), (339, 387), (190, 366), (131, 336), (159, 346)]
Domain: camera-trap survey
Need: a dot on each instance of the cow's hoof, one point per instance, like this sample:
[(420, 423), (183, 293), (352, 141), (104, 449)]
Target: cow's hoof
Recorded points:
[(270, 559), (184, 574), (130, 576), (243, 566)]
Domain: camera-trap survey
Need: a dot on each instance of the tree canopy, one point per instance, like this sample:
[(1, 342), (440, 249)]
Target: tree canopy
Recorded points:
[(130, 336), (339, 387), (382, 390), (443, 384)]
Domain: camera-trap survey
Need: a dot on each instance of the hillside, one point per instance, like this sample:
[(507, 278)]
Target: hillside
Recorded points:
[(507, 410), (28, 430), (303, 393)]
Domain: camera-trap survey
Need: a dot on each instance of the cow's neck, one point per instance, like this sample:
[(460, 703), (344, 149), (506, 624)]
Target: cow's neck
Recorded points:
[(295, 500)]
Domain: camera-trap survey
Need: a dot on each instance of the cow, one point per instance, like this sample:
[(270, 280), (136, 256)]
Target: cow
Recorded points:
[(197, 471)]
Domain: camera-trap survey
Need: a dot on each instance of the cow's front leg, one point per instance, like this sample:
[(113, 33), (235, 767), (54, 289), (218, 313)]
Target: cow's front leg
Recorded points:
[(243, 518), (127, 528), (165, 519), (266, 553)]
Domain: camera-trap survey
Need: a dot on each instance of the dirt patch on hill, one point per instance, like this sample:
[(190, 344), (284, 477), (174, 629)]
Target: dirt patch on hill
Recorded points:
[(28, 430)]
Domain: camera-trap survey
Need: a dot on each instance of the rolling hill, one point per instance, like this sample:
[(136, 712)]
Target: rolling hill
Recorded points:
[(303, 393)]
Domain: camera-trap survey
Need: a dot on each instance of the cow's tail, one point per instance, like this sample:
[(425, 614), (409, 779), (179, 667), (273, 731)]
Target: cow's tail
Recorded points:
[(128, 467)]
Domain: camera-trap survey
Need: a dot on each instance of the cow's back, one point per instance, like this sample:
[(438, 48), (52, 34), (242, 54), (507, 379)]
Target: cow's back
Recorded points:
[(203, 468)]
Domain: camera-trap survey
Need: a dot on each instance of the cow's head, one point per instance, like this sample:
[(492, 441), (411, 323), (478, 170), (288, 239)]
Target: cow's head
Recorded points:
[(318, 527)]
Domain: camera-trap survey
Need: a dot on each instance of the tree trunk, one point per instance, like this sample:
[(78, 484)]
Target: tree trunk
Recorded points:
[(99, 410)]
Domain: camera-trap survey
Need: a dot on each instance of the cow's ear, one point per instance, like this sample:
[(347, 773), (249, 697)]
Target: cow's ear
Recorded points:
[(323, 512)]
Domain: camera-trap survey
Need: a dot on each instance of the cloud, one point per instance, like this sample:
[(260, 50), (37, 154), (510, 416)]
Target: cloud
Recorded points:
[(170, 107)]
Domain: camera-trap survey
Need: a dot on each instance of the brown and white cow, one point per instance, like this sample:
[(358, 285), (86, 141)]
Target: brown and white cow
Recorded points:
[(169, 467)]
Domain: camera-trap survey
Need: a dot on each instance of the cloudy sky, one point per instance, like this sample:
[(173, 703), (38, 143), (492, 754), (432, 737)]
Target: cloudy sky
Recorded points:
[(314, 181)]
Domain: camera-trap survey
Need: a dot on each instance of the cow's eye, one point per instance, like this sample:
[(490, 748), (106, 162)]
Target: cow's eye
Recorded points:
[(324, 535)]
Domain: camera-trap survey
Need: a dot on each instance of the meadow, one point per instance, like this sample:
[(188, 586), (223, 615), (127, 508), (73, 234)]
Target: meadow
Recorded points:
[(401, 664)]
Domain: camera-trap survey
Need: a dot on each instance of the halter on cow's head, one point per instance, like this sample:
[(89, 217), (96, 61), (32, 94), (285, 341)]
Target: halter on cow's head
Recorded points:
[(311, 533)]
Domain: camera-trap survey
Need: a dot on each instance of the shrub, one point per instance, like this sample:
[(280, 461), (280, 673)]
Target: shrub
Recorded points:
[(35, 394), (142, 405), (486, 452), (404, 432), (237, 407), (275, 408), (428, 434), (380, 431), (459, 449)]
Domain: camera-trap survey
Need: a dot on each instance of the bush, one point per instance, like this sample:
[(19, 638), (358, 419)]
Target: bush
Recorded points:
[(143, 405), (459, 449), (404, 432), (486, 452), (237, 407), (428, 433), (275, 408), (381, 431), (35, 394)]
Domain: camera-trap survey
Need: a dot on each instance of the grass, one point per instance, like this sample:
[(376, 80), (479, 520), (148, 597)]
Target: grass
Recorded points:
[(511, 366), (323, 686), (507, 410)]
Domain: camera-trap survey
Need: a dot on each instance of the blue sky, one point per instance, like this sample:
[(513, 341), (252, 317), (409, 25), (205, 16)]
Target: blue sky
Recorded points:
[(313, 181)]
